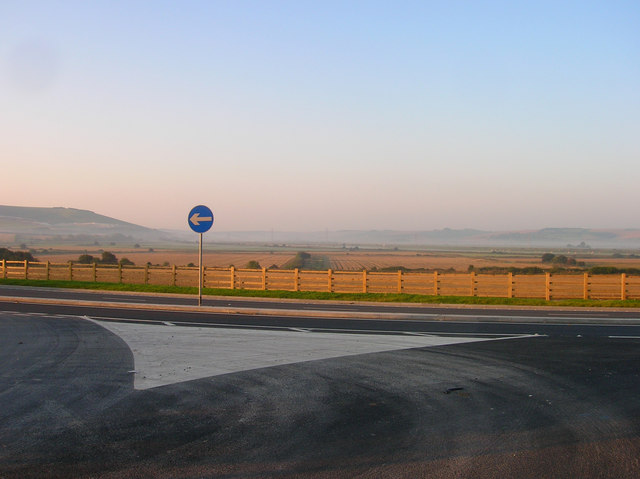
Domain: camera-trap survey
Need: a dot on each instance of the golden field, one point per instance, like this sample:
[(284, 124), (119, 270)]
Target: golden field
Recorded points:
[(347, 260)]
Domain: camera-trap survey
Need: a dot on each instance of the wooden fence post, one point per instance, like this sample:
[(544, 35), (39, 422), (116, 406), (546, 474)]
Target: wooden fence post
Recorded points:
[(547, 286), (120, 273), (26, 269), (585, 286), (330, 280), (400, 281), (48, 270), (232, 271), (510, 280), (4, 269), (296, 280), (146, 273), (70, 270), (264, 278), (364, 280), (95, 272), (436, 284), (474, 289), (623, 286), (174, 274)]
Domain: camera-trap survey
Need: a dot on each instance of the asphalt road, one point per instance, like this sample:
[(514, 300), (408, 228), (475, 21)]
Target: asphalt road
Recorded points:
[(473, 324), (560, 404), (449, 311)]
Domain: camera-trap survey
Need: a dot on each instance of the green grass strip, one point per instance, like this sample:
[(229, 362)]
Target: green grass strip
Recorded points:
[(325, 296)]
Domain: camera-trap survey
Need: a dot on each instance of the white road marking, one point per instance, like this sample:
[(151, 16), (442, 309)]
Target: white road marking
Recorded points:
[(411, 333), (308, 330), (173, 354)]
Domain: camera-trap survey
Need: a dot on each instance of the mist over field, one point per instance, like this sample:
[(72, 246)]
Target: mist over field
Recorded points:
[(25, 224)]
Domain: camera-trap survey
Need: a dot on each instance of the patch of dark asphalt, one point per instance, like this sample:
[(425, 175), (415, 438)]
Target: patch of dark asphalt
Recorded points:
[(531, 407)]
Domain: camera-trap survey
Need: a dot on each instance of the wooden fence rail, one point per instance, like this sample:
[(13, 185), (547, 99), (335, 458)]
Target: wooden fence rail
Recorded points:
[(545, 286)]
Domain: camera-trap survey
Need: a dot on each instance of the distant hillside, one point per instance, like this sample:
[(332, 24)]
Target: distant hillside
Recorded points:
[(69, 224), (597, 238), (566, 235), (26, 224), (56, 216), (547, 237)]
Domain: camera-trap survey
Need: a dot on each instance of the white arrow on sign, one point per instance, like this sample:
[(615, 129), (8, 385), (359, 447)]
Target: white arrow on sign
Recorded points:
[(196, 219)]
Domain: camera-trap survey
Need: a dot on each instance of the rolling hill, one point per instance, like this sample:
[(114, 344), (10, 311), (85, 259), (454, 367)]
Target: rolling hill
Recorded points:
[(68, 224), (18, 223)]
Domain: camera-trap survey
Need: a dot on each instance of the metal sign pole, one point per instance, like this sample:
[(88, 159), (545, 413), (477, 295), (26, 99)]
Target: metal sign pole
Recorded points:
[(200, 220), (200, 275)]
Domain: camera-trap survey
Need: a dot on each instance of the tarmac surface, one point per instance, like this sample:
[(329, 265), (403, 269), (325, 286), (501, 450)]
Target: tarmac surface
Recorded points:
[(168, 354), (276, 402), (310, 308)]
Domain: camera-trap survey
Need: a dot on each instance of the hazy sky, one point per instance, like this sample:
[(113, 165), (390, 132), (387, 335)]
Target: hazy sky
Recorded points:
[(306, 115)]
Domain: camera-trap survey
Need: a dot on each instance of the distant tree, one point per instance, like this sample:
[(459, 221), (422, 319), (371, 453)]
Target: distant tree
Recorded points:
[(8, 255), (253, 264), (136, 245), (86, 259), (298, 261), (560, 259), (126, 262), (108, 258), (548, 257)]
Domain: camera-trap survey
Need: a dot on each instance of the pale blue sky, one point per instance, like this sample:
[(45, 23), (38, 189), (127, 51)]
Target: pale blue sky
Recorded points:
[(300, 115)]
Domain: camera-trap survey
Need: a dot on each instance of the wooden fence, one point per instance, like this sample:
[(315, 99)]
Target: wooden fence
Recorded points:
[(546, 286)]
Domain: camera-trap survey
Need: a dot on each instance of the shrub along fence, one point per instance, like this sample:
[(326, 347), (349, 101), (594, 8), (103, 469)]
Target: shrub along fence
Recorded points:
[(545, 286)]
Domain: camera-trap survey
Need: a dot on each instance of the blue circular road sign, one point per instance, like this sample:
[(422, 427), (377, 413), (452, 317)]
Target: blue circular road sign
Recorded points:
[(200, 219)]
